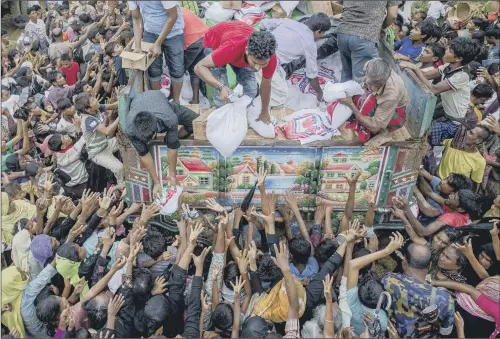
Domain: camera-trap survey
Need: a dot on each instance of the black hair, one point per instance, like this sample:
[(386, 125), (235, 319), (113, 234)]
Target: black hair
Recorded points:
[(32, 168), (4, 32), (319, 22), (472, 203), (52, 76), (154, 244), (423, 15), (420, 260), (37, 8), (30, 10), (55, 142), (82, 333), (450, 35), (483, 53), (267, 269), (92, 34), (20, 225), (110, 48), (63, 7), (44, 293), (48, 310), (145, 122), (78, 88), (458, 181), (479, 36), (65, 57), (156, 312), (369, 290), (358, 253), (452, 233), (12, 163), (84, 17), (69, 252), (11, 55), (63, 103), (300, 249), (222, 317), (23, 81), (142, 283), (494, 68), (82, 102), (479, 22), (438, 50), (430, 30), (493, 31), (483, 91), (465, 48), (325, 249), (12, 188), (473, 68), (261, 45), (97, 311), (231, 272)]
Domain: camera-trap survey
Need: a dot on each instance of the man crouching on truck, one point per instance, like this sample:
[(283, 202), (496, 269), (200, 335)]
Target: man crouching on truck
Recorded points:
[(151, 113), (247, 51)]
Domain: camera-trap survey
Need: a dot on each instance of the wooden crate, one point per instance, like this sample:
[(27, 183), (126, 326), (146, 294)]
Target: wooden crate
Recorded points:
[(319, 7)]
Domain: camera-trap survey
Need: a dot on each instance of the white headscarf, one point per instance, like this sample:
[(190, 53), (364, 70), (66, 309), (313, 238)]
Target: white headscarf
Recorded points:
[(21, 250)]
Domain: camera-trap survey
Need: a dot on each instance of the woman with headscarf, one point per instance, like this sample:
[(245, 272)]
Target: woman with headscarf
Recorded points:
[(68, 260), (13, 285), (42, 248), (21, 249), (479, 307), (37, 83), (12, 212)]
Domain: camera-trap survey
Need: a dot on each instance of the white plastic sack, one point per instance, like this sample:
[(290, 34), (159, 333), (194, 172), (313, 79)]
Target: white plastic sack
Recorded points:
[(217, 13), (338, 114), (279, 86), (227, 126), (308, 125), (288, 6), (187, 94), (336, 91), (264, 130), (169, 202)]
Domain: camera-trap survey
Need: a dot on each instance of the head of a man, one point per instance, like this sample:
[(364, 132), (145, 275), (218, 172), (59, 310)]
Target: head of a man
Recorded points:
[(5, 36), (59, 142), (300, 249), (493, 35), (146, 126), (418, 257), (467, 201), (32, 14), (481, 93), (261, 47), (453, 183), (86, 104), (461, 51), (377, 71), (319, 23), (476, 136)]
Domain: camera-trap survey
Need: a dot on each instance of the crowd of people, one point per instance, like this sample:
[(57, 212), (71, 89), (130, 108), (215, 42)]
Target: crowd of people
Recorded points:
[(78, 261)]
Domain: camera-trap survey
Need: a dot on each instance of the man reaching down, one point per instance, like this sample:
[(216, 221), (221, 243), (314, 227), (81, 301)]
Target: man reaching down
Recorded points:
[(151, 113)]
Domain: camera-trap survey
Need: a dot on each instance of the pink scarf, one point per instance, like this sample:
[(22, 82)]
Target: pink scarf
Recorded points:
[(44, 147)]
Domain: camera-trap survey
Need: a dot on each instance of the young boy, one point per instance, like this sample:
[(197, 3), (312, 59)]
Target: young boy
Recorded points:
[(113, 50), (410, 48), (66, 124), (431, 57), (454, 85), (70, 69), (58, 89), (493, 39)]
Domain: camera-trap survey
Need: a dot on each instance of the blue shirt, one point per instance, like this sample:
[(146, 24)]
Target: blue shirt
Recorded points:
[(358, 310), (309, 272), (155, 15), (434, 184), (33, 326), (405, 47)]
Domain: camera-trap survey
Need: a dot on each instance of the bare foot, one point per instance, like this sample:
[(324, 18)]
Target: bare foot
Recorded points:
[(378, 140)]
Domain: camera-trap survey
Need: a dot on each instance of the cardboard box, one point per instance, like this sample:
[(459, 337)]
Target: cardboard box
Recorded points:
[(133, 60), (200, 124), (337, 8), (319, 7), (231, 4)]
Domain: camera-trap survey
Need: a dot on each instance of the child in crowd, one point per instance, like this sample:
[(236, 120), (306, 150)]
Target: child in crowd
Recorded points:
[(410, 48)]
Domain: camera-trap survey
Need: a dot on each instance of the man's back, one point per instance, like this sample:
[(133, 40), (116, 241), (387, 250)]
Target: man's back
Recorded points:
[(364, 18), (410, 297)]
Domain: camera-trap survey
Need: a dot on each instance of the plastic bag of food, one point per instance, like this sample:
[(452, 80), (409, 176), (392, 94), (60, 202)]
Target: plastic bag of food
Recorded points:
[(217, 13), (250, 14)]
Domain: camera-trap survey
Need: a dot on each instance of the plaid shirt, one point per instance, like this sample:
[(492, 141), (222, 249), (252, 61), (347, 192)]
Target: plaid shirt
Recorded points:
[(357, 14)]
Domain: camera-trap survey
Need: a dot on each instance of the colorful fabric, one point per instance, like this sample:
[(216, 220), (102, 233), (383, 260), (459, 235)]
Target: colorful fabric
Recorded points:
[(300, 79), (367, 105), (410, 297), (273, 306), (22, 209), (41, 248), (69, 270), (13, 285), (441, 130), (250, 14), (490, 287), (308, 125)]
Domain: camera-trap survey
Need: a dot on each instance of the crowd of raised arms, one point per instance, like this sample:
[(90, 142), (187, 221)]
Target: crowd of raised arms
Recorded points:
[(80, 261)]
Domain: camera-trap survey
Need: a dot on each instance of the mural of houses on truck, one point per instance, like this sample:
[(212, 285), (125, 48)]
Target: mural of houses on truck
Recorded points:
[(337, 164)]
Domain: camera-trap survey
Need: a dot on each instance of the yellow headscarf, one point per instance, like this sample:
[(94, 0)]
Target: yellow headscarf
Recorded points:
[(13, 286), (23, 209), (274, 305), (21, 250), (69, 270)]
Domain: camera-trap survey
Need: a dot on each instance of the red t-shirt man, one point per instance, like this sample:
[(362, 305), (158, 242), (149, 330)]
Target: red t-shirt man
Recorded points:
[(71, 70), (229, 42)]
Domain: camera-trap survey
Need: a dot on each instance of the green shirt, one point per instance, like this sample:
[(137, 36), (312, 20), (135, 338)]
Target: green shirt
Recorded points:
[(8, 151)]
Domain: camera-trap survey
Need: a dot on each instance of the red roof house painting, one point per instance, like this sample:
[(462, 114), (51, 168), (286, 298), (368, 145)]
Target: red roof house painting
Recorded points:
[(192, 172)]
